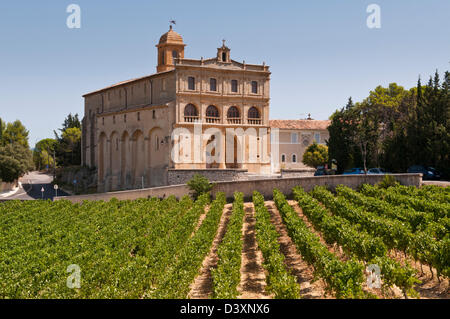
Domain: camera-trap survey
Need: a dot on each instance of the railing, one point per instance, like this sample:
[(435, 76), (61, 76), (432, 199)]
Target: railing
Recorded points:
[(234, 121), (254, 121), (212, 119), (191, 119)]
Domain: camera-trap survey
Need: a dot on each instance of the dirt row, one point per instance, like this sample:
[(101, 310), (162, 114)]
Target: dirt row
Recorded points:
[(253, 276)]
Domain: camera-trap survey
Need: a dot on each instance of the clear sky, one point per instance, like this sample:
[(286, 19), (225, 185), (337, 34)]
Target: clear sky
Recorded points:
[(320, 52)]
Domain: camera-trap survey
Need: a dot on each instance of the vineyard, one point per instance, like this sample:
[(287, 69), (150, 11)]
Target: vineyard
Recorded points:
[(370, 243)]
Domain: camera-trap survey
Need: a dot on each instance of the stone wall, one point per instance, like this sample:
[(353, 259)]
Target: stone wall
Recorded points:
[(264, 186), (161, 192), (6, 187), (301, 172), (285, 185), (182, 176)]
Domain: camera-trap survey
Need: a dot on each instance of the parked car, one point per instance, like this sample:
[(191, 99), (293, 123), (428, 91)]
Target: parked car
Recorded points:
[(321, 171), (354, 171), (377, 171), (428, 172)]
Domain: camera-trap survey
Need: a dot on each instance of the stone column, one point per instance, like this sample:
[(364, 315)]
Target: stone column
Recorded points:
[(147, 164)]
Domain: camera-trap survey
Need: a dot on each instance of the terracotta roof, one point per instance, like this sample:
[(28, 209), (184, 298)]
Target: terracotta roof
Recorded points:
[(171, 37), (300, 124), (125, 82)]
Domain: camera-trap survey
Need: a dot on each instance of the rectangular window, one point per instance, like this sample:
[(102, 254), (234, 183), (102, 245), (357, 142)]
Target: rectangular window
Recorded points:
[(154, 114), (294, 138), (191, 83), (213, 85), (138, 116), (114, 119), (234, 86), (317, 138), (125, 118), (254, 87)]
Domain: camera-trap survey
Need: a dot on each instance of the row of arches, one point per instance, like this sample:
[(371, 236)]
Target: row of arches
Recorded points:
[(131, 160), (190, 110)]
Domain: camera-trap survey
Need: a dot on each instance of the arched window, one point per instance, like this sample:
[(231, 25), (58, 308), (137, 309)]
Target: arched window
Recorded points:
[(212, 111), (233, 112), (174, 54), (283, 158), (212, 114), (294, 158), (162, 58), (253, 113), (190, 110), (190, 113)]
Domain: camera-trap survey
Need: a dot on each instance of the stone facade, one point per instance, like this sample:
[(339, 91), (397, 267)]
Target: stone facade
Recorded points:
[(131, 128), (294, 138)]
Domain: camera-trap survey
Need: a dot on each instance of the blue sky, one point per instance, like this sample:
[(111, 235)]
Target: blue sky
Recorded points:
[(320, 52)]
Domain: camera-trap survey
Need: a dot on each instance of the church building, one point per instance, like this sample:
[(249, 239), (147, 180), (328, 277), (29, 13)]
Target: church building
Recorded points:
[(163, 128)]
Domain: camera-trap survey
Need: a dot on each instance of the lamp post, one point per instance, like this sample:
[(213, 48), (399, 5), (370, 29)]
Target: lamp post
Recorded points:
[(42, 192)]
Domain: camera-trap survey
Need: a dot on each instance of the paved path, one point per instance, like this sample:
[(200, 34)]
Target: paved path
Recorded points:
[(32, 183), (437, 183)]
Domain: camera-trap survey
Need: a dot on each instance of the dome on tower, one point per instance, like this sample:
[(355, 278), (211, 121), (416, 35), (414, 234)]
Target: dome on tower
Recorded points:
[(171, 37)]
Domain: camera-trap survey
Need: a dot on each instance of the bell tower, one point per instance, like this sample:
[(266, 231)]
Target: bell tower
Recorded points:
[(223, 53), (170, 47)]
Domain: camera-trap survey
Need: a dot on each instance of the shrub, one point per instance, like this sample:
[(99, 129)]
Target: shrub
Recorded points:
[(315, 155), (388, 181), (199, 185)]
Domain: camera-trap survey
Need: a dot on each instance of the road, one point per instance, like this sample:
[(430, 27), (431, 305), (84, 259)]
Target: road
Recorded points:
[(32, 183)]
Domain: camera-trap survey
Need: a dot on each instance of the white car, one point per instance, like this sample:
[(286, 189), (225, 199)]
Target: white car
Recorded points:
[(379, 171)]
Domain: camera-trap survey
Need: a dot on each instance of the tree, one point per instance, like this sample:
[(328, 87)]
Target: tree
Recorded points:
[(68, 150), (15, 161), (341, 131), (315, 155), (43, 153), (395, 128), (2, 129), (15, 133), (71, 137)]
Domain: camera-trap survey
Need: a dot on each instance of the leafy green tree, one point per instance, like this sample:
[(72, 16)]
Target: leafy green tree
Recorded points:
[(315, 155), (15, 161), (15, 133), (43, 153), (341, 131), (71, 137), (2, 129), (68, 150)]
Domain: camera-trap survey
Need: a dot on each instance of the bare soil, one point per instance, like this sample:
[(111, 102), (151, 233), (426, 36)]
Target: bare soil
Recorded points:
[(202, 286), (430, 288), (309, 289), (253, 277)]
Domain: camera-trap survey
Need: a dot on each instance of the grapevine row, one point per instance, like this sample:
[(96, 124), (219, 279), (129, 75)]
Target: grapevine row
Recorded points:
[(355, 242), (227, 275), (343, 279), (181, 274), (280, 281)]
